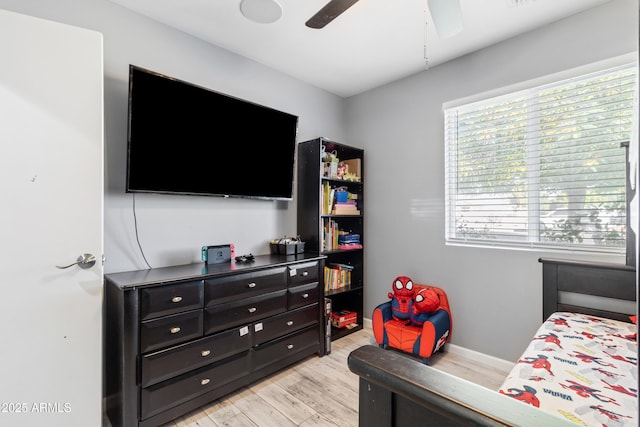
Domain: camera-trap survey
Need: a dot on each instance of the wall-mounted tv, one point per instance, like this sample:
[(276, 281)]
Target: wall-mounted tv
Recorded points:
[(186, 139)]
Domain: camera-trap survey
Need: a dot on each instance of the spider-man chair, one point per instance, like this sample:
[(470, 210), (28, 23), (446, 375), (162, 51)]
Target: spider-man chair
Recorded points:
[(421, 341)]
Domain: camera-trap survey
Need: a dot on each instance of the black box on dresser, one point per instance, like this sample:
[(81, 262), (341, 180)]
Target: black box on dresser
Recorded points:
[(176, 338)]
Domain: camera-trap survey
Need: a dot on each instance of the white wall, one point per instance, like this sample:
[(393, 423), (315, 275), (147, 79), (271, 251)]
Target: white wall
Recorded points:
[(496, 295), (172, 229)]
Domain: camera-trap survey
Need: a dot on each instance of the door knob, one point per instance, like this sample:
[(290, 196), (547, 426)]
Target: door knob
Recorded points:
[(83, 261)]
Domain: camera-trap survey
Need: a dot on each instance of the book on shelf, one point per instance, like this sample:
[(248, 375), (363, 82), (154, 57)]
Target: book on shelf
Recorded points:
[(335, 239), (328, 195), (330, 235), (337, 276), (341, 266), (345, 208), (331, 205), (350, 246)]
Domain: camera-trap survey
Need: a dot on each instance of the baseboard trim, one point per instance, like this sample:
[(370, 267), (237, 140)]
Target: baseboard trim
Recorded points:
[(367, 323), (483, 358)]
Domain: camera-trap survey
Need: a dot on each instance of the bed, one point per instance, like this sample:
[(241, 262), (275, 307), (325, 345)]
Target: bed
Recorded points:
[(594, 300)]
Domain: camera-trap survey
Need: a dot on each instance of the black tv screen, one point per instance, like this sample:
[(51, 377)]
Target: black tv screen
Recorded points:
[(186, 139)]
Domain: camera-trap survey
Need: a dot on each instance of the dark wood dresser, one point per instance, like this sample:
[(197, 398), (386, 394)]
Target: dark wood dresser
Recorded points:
[(176, 338)]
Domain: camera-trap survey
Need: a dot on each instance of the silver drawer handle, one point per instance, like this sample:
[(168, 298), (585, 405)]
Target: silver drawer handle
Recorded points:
[(305, 273), (252, 285), (252, 310), (176, 299), (290, 346), (205, 353), (174, 330), (290, 323), (305, 296), (205, 381)]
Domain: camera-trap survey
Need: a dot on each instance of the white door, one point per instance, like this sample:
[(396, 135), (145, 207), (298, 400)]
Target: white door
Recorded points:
[(51, 133)]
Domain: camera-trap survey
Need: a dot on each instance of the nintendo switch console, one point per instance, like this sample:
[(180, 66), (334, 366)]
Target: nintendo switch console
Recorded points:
[(218, 254)]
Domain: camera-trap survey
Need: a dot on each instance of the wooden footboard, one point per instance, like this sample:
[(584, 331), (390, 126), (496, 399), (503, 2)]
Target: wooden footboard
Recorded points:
[(398, 391)]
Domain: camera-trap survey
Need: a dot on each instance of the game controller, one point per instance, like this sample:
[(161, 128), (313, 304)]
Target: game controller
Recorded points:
[(245, 258)]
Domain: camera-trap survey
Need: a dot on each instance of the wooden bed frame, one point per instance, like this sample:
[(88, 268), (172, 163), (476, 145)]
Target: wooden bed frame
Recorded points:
[(399, 391), (562, 280)]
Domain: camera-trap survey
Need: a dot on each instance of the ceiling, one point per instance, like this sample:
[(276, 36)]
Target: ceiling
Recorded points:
[(372, 43)]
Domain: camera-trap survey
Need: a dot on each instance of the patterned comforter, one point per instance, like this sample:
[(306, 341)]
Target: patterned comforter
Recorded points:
[(580, 367)]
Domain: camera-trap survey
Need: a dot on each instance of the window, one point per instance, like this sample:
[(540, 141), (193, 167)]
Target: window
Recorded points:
[(542, 167)]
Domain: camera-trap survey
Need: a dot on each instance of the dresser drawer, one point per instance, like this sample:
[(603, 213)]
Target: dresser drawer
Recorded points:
[(302, 295), (285, 323), (165, 395), (303, 273), (223, 316), (305, 341), (170, 330), (171, 362), (163, 300), (241, 286)]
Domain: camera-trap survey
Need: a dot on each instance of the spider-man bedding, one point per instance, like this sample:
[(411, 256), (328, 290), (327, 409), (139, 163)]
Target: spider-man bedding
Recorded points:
[(582, 368)]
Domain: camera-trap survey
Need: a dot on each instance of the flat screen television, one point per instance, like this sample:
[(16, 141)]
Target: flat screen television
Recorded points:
[(186, 139)]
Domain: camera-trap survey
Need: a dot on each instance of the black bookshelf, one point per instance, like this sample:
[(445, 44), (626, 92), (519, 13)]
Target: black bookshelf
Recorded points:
[(313, 218)]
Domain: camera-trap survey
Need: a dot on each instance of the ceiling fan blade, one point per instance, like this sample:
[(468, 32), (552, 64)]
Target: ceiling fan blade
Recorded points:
[(329, 12), (447, 17)]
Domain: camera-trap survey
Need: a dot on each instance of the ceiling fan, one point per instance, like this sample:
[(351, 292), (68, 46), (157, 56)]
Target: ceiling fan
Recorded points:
[(329, 12), (446, 15)]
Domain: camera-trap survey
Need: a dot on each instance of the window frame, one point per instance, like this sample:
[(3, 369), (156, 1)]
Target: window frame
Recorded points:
[(455, 239)]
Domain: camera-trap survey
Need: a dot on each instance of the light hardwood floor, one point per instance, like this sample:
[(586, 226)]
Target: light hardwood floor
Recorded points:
[(319, 391)]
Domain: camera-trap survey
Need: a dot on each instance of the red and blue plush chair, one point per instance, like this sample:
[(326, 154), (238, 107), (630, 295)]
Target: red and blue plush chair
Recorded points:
[(424, 332)]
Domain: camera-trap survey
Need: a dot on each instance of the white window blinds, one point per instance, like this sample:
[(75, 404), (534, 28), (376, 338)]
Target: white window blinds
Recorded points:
[(543, 166)]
